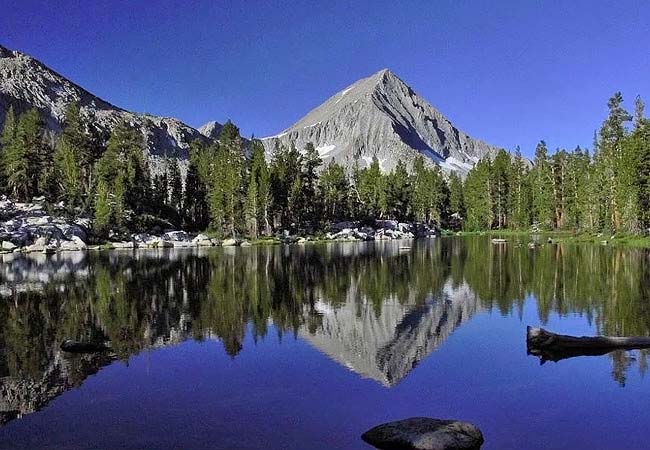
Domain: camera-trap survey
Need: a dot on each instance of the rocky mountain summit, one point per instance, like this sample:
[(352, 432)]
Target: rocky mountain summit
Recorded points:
[(382, 116), (26, 83), (211, 130)]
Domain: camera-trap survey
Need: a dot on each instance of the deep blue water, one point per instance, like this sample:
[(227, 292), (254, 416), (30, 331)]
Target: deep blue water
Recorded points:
[(301, 387)]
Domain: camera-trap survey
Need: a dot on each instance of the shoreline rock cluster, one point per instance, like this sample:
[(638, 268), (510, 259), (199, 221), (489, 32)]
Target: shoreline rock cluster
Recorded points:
[(381, 230), (29, 228)]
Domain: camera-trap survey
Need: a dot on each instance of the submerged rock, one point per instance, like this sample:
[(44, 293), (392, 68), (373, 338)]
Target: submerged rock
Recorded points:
[(423, 433)]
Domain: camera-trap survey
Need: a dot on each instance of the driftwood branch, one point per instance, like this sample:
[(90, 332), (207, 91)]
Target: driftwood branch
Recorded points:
[(555, 347)]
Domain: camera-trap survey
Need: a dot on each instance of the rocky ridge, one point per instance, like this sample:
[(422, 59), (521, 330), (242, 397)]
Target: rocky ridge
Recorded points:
[(26, 83)]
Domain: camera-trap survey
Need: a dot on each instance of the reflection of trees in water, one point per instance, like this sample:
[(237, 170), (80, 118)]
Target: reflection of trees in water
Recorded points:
[(622, 361), (609, 286), (153, 299), (144, 299)]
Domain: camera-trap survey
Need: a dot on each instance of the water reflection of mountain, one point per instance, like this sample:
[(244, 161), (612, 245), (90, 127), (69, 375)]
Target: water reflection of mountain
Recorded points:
[(373, 308), (385, 346)]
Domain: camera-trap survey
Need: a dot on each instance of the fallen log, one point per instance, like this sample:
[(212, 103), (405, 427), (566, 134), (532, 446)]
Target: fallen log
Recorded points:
[(555, 347)]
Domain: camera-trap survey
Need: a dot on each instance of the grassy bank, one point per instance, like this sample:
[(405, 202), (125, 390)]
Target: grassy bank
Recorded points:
[(617, 240)]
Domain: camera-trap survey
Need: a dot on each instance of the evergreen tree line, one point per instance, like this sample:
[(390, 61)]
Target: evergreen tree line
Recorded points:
[(295, 191), (232, 189), (608, 190), (104, 177), (229, 186)]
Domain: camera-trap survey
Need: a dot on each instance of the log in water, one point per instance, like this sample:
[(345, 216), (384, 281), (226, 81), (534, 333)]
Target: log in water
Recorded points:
[(550, 346)]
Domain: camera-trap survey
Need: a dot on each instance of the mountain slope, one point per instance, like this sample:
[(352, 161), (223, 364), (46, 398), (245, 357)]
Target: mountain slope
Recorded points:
[(381, 116), (27, 83)]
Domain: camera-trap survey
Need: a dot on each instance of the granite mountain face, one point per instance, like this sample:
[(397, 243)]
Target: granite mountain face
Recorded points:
[(26, 83), (382, 116)]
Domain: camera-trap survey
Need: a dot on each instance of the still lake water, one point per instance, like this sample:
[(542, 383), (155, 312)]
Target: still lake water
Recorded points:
[(306, 347)]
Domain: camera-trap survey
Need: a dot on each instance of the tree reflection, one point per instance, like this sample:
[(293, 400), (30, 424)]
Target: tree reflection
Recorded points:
[(160, 297)]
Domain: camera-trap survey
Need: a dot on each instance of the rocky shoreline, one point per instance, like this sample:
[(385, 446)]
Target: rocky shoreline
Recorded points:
[(30, 228)]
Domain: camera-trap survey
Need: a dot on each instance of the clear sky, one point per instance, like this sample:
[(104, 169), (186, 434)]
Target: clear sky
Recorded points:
[(507, 72)]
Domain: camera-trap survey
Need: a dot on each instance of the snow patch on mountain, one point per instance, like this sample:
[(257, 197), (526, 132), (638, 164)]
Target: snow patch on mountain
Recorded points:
[(325, 150)]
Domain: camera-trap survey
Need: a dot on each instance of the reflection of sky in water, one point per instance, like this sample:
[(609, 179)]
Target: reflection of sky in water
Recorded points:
[(286, 392)]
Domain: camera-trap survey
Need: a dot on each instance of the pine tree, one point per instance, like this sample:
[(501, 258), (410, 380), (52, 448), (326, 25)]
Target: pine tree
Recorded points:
[(428, 193), (333, 186), (160, 194), (519, 194), (66, 166), (456, 197), (80, 139), (370, 190), (500, 184), (559, 163), (252, 208), (258, 195), (123, 177), (285, 168), (639, 145), (398, 187), (310, 202), (175, 185), (576, 186), (478, 197), (7, 141), (24, 160), (226, 193), (541, 180), (195, 207), (103, 209), (615, 164), (295, 203)]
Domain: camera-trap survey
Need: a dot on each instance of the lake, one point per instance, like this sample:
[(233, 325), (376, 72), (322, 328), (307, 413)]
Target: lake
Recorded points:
[(306, 347)]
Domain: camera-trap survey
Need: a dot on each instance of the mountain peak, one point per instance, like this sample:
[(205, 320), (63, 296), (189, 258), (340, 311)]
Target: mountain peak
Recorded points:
[(382, 73), (211, 129), (381, 116)]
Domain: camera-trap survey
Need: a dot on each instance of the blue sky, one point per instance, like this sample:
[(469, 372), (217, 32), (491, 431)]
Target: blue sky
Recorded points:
[(507, 72)]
